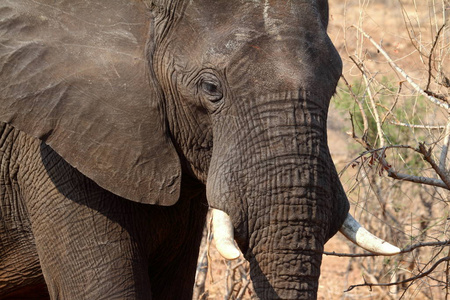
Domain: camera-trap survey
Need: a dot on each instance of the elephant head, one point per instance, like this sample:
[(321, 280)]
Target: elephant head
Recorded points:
[(139, 95)]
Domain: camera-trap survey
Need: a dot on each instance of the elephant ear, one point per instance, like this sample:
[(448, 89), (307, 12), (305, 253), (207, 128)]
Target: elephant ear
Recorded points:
[(75, 74)]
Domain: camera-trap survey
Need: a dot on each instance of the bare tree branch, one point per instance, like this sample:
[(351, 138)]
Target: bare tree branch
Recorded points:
[(437, 96), (444, 152), (429, 127), (391, 172), (429, 244), (427, 156), (360, 105), (403, 73), (430, 57), (376, 116), (370, 285), (416, 179), (389, 111)]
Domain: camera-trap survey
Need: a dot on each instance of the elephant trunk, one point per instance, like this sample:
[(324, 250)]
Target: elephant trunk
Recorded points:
[(275, 178), (287, 238), (286, 264)]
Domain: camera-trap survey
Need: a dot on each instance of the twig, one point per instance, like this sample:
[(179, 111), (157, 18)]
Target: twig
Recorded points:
[(437, 96), (243, 289), (418, 126), (350, 254), (370, 285), (208, 245), (362, 140), (372, 101), (389, 111), (360, 105), (203, 264), (417, 179), (429, 244), (427, 156), (410, 29), (200, 280), (447, 277), (403, 73), (430, 57), (244, 279), (229, 286), (239, 264), (391, 172), (445, 147)]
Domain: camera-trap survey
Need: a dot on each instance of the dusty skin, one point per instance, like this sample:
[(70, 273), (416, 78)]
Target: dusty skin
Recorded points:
[(122, 121), (385, 23)]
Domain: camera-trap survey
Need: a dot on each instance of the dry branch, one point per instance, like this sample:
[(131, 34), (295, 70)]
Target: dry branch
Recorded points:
[(391, 172), (421, 275), (360, 105), (416, 179), (376, 116), (430, 57), (402, 72), (428, 127), (444, 152), (427, 156)]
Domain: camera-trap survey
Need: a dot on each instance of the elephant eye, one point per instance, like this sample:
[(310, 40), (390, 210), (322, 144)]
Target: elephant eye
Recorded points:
[(211, 89)]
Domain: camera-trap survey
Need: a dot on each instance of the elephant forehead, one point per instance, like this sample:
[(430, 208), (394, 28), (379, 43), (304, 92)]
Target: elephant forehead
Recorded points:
[(223, 27)]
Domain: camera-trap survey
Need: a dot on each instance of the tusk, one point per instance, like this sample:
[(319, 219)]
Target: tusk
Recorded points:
[(361, 237), (224, 235)]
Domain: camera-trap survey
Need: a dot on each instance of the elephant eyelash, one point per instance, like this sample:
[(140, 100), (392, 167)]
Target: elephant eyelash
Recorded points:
[(213, 89), (210, 87)]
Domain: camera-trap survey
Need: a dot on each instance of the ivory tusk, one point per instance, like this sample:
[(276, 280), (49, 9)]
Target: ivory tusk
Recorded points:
[(224, 235), (361, 237)]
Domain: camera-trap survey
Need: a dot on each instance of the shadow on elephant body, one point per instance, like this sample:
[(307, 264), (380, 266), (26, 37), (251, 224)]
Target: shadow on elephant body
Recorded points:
[(33, 292), (163, 240)]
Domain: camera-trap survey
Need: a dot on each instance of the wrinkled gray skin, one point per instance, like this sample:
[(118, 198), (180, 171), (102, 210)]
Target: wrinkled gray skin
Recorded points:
[(124, 120)]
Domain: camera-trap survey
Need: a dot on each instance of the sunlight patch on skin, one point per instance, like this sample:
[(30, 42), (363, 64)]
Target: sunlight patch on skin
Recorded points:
[(270, 24)]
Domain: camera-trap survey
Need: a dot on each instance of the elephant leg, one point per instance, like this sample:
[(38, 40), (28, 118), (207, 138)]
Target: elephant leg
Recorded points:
[(20, 271), (173, 266), (91, 244)]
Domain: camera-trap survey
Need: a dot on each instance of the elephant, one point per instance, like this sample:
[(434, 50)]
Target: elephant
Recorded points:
[(123, 121)]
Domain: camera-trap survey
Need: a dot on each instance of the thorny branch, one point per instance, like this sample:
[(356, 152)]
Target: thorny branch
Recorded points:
[(391, 172), (421, 275)]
